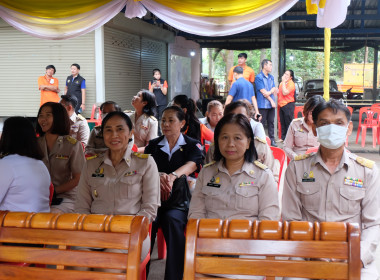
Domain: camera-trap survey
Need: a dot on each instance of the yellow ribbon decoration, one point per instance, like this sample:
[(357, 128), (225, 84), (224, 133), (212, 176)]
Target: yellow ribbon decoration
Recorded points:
[(311, 8), (326, 80), (53, 9), (217, 8)]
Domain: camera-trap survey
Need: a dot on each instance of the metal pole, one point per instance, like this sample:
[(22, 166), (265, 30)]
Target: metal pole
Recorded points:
[(275, 46), (375, 63)]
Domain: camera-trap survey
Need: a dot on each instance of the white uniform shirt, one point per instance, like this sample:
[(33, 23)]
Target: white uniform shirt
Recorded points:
[(24, 184)]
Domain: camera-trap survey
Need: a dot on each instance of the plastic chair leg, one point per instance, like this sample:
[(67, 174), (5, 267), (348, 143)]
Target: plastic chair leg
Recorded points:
[(358, 133), (374, 136), (161, 245), (364, 132)]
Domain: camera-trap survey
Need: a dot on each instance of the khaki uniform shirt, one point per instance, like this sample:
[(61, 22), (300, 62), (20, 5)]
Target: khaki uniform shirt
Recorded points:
[(299, 138), (79, 128), (95, 142), (250, 193), (350, 194), (130, 188), (145, 129), (264, 155), (65, 159)]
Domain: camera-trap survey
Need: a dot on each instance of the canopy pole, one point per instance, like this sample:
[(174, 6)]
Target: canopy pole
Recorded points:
[(326, 81)]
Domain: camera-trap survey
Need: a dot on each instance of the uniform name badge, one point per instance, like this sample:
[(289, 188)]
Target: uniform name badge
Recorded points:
[(214, 182), (130, 173), (308, 177)]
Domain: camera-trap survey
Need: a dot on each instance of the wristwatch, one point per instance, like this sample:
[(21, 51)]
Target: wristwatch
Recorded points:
[(175, 174)]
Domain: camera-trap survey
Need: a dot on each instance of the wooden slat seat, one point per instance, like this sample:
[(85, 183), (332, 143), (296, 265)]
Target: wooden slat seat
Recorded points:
[(64, 232), (222, 248)]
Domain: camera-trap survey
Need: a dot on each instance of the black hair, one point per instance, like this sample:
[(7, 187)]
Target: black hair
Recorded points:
[(250, 154), (50, 67), (150, 99), (192, 126), (233, 105), (71, 99), (19, 138), (291, 72), (156, 70), (119, 114), (238, 70), (332, 104), (61, 121), (180, 114), (311, 103), (76, 65), (243, 55), (265, 62), (115, 105)]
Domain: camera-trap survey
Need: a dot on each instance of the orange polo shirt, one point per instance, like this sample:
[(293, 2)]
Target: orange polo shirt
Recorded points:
[(47, 95), (248, 74), (285, 99)]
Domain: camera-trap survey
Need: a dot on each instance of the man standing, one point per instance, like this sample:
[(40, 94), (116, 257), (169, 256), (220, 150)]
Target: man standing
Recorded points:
[(242, 89), (76, 86), (335, 185), (48, 86), (265, 92), (248, 72), (79, 128)]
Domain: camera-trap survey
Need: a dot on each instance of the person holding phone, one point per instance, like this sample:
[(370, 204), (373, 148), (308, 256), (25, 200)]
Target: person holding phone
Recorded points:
[(159, 87)]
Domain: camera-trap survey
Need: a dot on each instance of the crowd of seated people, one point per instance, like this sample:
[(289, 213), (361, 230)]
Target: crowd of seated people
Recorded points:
[(236, 180)]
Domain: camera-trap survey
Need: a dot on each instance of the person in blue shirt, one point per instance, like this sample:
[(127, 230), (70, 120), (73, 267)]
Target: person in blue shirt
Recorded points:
[(266, 91), (76, 85), (242, 89)]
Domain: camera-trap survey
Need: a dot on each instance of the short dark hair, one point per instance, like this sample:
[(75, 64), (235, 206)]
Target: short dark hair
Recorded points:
[(250, 154), (50, 67), (71, 99), (150, 98), (19, 137), (156, 70), (233, 105), (61, 121), (238, 70), (178, 111), (264, 62), (119, 114), (117, 107), (311, 103), (76, 65), (291, 72), (243, 54), (332, 104)]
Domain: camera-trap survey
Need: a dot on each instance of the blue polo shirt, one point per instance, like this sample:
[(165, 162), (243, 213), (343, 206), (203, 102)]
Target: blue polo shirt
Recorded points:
[(267, 83), (242, 89)]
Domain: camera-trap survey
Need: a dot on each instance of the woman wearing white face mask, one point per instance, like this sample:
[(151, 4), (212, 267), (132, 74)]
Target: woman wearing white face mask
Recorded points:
[(95, 143)]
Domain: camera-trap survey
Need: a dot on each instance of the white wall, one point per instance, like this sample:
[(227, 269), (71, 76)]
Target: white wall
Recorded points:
[(183, 47)]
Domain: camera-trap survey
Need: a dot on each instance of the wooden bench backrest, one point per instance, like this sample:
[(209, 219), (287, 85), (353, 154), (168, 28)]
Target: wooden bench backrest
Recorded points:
[(65, 231), (212, 247)]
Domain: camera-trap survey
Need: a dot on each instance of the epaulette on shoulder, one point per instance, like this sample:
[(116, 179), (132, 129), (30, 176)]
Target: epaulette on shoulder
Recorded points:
[(91, 157), (303, 156), (153, 118), (297, 120), (129, 111), (365, 162), (71, 140), (81, 117), (260, 165), (209, 164), (139, 155), (261, 139)]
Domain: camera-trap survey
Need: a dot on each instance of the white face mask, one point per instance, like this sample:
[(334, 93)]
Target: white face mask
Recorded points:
[(332, 136)]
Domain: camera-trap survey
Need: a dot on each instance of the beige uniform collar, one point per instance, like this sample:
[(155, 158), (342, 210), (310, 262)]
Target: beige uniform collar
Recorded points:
[(247, 168), (344, 161), (127, 155), (305, 125)]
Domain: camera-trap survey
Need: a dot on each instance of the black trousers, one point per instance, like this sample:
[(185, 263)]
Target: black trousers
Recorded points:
[(268, 120), (286, 117)]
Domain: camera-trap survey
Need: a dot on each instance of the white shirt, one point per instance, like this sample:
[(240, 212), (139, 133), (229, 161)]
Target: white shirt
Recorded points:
[(180, 142), (258, 129), (24, 184)]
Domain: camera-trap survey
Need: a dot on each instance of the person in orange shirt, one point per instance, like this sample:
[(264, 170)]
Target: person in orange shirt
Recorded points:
[(286, 101), (248, 73), (49, 86)]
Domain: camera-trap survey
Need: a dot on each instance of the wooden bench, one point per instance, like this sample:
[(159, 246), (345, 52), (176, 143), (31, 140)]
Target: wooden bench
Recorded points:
[(19, 229), (213, 247)]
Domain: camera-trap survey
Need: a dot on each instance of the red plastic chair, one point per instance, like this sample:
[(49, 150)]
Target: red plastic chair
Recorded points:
[(312, 150), (376, 105), (280, 155), (297, 110), (98, 119), (350, 109), (207, 146), (368, 122), (268, 141)]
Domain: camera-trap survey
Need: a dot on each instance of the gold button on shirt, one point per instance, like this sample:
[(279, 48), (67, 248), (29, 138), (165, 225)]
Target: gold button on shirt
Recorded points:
[(250, 193)]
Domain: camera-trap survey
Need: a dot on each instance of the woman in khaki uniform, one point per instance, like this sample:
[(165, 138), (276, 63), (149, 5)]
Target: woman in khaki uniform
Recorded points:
[(63, 155), (300, 137), (119, 181), (145, 125)]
